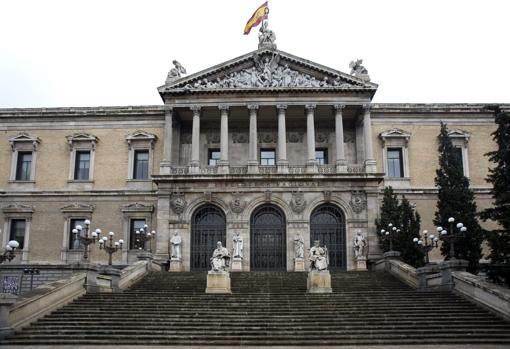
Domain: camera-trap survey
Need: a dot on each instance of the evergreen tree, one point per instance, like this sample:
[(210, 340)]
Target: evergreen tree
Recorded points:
[(499, 176), (456, 199), (407, 221)]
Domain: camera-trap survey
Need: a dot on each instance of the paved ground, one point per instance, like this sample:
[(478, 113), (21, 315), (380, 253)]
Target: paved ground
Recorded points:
[(463, 346)]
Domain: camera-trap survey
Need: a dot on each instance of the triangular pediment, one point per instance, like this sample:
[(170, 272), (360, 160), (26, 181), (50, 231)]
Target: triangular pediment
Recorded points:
[(264, 69)]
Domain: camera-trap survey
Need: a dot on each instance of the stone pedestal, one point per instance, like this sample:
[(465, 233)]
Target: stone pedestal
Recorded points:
[(424, 274), (218, 282), (299, 264), (237, 264), (361, 264), (447, 267), (319, 282), (390, 255), (175, 265), (6, 301), (145, 256)]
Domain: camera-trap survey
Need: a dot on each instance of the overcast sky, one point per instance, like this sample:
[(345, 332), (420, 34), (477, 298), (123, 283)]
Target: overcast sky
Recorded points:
[(91, 53)]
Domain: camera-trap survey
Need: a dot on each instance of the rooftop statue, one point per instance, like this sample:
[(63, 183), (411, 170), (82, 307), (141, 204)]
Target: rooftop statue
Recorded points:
[(267, 37), (358, 70), (175, 72)]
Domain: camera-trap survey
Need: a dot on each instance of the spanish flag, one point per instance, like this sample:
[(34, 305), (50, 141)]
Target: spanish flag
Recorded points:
[(260, 14)]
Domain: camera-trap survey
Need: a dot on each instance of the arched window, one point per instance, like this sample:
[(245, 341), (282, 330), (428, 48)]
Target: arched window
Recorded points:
[(208, 226)]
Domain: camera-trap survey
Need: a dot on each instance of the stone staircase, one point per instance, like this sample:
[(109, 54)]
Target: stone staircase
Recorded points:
[(267, 309)]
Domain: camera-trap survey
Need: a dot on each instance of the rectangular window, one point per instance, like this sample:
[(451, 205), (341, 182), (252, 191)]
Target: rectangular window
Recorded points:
[(24, 166), (395, 163), (321, 155), (134, 225), (214, 157), (141, 165), (18, 231), (267, 157), (82, 165), (457, 151), (74, 242)]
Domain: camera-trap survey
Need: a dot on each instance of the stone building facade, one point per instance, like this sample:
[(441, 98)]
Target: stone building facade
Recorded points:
[(268, 144)]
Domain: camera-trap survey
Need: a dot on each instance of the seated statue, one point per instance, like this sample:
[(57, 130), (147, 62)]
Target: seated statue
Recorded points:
[(318, 257), (220, 259)]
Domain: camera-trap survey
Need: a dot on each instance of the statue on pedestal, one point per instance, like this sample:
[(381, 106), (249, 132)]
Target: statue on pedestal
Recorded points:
[(175, 73), (299, 247), (318, 257), (175, 243), (267, 37), (359, 244), (220, 259), (238, 245)]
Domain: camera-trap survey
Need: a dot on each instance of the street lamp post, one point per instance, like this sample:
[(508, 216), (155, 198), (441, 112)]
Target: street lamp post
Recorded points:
[(8, 254), (390, 232), (84, 238), (427, 244), (143, 235), (452, 236), (110, 247)]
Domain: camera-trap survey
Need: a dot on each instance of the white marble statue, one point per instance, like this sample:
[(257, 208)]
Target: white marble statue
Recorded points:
[(176, 242), (238, 245), (299, 247), (360, 244), (319, 259), (220, 258)]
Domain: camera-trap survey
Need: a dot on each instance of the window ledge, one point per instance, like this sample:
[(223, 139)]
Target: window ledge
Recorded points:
[(21, 182), (131, 180), (80, 181), (397, 179)]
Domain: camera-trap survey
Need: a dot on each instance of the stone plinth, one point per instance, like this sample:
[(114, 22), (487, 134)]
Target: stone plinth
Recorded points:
[(426, 276), (447, 267), (391, 255), (299, 264), (361, 264), (175, 265), (6, 300), (218, 282), (237, 264), (319, 282), (145, 256)]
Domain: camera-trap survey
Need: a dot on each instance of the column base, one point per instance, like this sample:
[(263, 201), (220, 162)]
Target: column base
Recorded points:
[(218, 282), (319, 282), (194, 168), (341, 166), (175, 265), (237, 264), (223, 167), (253, 167), (165, 168), (370, 166), (299, 264), (311, 166), (283, 166)]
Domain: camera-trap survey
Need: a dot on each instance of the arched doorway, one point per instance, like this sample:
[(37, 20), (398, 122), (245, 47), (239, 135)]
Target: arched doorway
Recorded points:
[(207, 228), (327, 224), (267, 239)]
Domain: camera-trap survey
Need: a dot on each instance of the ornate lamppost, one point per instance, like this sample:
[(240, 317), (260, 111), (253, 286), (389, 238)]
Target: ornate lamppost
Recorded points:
[(427, 244), (110, 247), (389, 233), (452, 236), (9, 251), (84, 238), (143, 235)]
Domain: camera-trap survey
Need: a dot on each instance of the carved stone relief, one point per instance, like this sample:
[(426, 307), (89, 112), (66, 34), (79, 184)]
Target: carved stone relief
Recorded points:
[(358, 201), (321, 137), (240, 137), (295, 137), (268, 137), (178, 203), (349, 137), (298, 203), (237, 204), (213, 137)]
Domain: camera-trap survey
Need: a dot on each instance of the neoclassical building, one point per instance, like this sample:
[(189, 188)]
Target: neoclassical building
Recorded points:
[(268, 144)]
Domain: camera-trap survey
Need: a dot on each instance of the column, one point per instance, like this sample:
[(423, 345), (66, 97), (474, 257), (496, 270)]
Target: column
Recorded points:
[(253, 162), (195, 140), (282, 163), (339, 132), (166, 164), (311, 163), (367, 135), (223, 164)]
